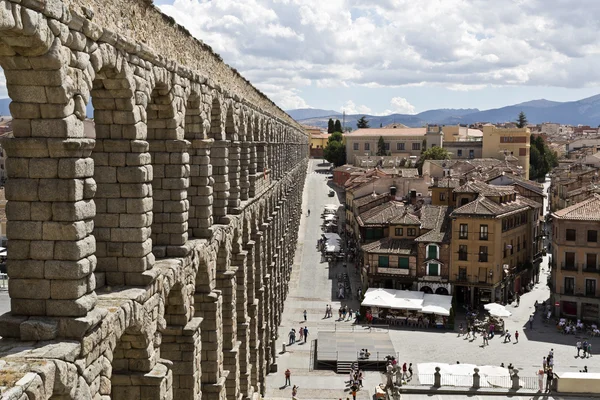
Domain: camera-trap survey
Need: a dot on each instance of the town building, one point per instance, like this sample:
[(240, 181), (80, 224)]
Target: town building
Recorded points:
[(500, 143), (572, 183), (493, 228), (318, 141), (575, 256), (401, 142)]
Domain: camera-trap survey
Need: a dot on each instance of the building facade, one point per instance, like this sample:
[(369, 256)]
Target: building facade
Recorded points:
[(401, 142), (500, 143), (575, 260)]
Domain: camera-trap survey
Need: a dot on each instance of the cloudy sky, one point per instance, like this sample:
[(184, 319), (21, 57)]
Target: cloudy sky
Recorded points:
[(381, 56), (406, 56)]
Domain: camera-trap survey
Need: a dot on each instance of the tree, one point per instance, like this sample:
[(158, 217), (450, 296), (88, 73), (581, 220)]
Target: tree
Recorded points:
[(433, 153), (335, 151), (337, 126), (330, 126), (522, 120), (541, 158), (381, 151), (362, 122)]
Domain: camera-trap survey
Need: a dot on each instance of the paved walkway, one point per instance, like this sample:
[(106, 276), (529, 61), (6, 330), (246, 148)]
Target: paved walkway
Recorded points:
[(312, 288)]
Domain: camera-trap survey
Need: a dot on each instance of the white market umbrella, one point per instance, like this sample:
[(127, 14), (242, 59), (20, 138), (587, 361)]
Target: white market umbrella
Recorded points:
[(497, 310)]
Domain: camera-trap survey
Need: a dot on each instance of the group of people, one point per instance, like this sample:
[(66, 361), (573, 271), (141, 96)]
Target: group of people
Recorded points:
[(547, 370), (303, 334), (405, 372), (586, 347)]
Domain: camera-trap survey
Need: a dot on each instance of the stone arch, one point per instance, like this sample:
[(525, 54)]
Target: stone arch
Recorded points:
[(122, 173), (170, 162), (216, 120), (219, 155), (426, 289), (232, 136)]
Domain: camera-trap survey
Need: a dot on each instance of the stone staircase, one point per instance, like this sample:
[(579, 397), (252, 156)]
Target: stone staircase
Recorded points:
[(344, 367)]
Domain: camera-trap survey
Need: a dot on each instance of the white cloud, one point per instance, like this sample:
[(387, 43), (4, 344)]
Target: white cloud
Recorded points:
[(294, 44), (351, 108), (402, 106)]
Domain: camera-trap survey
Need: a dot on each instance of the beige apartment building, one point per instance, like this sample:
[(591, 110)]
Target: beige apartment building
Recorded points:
[(501, 143), (575, 256), (400, 142)]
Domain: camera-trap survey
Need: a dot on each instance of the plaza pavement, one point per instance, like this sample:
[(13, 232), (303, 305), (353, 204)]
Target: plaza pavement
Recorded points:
[(312, 287)]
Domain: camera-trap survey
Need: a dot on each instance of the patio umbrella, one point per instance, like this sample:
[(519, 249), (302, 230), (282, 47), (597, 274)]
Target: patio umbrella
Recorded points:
[(497, 310)]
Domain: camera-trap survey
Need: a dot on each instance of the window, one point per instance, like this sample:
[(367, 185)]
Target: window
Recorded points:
[(384, 261), (569, 287), (590, 287), (590, 261), (463, 232), (592, 236), (504, 250), (411, 231), (432, 251), (442, 196), (522, 152), (462, 274), (416, 146), (518, 244), (367, 146), (403, 263), (459, 153), (512, 247), (374, 233), (386, 146), (399, 146), (569, 260), (571, 235), (399, 232), (483, 253), (483, 232), (355, 146), (433, 269), (471, 153), (462, 252)]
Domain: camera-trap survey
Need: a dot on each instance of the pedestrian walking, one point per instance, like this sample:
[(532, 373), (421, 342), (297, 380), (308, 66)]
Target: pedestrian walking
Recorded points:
[(460, 329), (518, 299), (589, 350), (578, 347), (531, 322), (354, 393), (308, 213), (326, 311), (361, 376), (549, 378), (485, 338), (541, 379), (349, 315), (410, 371), (291, 336), (507, 337), (294, 392), (516, 336), (301, 332), (304, 315), (544, 364), (585, 346), (288, 375), (305, 334)]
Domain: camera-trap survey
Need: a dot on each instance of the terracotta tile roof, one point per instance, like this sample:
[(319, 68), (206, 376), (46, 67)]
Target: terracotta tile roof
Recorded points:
[(484, 189), (384, 213), (486, 207), (587, 210), (361, 201), (435, 219), (390, 245), (447, 183), (349, 168)]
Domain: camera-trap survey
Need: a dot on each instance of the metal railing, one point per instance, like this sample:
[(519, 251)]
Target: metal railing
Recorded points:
[(591, 268), (3, 281), (569, 266), (469, 381)]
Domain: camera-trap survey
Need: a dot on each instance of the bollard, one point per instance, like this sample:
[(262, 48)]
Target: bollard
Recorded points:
[(283, 348), (515, 379), (476, 379), (437, 378)]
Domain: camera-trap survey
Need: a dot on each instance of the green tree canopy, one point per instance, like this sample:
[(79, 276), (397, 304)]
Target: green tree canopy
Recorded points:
[(330, 126), (433, 153), (541, 158), (335, 151), (338, 126), (362, 122), (522, 120), (381, 151)]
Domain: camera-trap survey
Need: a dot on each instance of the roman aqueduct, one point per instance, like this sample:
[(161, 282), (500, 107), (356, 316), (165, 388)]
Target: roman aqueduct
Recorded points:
[(149, 260)]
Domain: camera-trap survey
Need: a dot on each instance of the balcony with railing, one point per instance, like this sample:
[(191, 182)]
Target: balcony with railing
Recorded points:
[(569, 266), (593, 268), (483, 257)]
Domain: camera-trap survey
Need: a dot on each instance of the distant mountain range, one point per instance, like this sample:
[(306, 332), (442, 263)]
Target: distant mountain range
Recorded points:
[(580, 112), (583, 112)]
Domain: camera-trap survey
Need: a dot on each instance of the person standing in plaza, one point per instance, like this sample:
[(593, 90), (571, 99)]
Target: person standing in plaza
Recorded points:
[(578, 345), (305, 334), (531, 321), (516, 336), (585, 346), (301, 333), (541, 379), (544, 364), (288, 375), (304, 315), (361, 376), (294, 392), (507, 337), (485, 339), (549, 378), (410, 371), (589, 350)]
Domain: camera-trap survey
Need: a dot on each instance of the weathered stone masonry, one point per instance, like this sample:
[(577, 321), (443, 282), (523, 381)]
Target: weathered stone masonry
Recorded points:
[(152, 261)]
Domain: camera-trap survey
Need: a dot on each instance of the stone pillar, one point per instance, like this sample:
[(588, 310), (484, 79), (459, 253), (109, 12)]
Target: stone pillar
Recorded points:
[(219, 159), (245, 170), (262, 310), (252, 169), (233, 203), (227, 284), (183, 347), (261, 167), (154, 385), (201, 189), (50, 192), (243, 323), (476, 379)]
